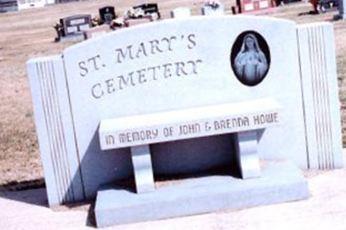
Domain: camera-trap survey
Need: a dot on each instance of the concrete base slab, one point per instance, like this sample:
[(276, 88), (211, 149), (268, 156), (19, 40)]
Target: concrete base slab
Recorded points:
[(280, 182)]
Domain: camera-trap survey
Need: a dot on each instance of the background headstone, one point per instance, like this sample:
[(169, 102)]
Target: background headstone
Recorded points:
[(75, 24), (107, 14)]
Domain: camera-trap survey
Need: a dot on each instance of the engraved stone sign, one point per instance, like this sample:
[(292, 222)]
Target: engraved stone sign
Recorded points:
[(166, 98)]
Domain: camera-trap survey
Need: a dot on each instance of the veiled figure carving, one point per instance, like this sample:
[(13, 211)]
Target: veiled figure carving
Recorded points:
[(250, 63)]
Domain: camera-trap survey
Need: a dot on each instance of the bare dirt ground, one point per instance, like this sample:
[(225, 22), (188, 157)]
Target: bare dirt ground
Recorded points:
[(30, 33)]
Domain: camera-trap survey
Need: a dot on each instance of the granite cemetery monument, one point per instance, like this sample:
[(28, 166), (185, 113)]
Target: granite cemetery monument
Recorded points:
[(182, 97), (73, 27), (27, 4)]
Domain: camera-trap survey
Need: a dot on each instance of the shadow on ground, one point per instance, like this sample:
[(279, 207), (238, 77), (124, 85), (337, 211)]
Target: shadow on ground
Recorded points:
[(30, 192), (34, 193)]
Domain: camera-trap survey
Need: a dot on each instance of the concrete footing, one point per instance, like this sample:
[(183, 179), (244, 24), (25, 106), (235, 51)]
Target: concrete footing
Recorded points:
[(279, 182)]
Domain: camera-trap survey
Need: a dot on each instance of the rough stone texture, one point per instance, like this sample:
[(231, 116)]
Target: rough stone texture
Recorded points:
[(280, 182)]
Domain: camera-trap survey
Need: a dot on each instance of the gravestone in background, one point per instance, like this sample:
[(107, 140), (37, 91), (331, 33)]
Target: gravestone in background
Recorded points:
[(73, 28), (107, 14), (75, 24), (174, 65), (210, 10)]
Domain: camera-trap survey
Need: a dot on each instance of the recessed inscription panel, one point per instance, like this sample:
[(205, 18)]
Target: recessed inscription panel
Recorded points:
[(189, 123), (185, 130)]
